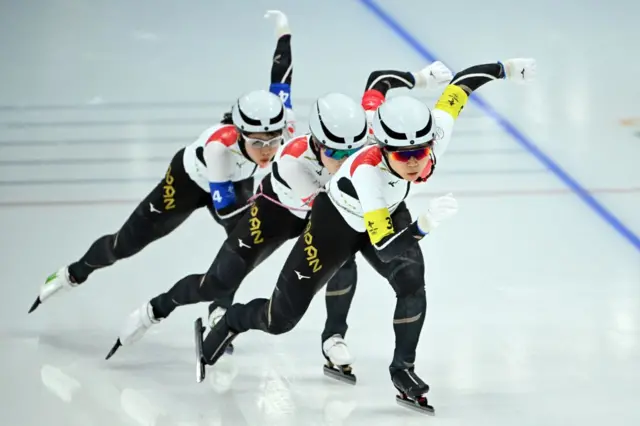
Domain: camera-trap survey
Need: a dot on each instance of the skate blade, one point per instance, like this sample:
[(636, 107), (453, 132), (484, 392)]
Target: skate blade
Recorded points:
[(428, 410), (114, 349), (334, 373), (198, 330), (35, 305)]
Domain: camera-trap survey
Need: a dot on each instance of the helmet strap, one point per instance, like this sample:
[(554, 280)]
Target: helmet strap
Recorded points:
[(386, 162), (315, 148), (243, 148)]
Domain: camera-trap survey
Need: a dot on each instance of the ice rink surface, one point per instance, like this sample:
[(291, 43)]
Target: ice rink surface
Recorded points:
[(533, 288)]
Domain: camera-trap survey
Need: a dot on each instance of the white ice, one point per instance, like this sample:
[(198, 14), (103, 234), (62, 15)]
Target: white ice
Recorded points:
[(533, 298)]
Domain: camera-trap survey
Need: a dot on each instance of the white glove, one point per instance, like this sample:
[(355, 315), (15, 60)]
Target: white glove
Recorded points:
[(282, 22), (440, 209), (435, 76), (520, 69)]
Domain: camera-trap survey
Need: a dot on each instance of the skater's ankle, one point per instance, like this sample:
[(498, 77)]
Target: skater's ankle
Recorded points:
[(75, 277), (326, 336), (157, 312)]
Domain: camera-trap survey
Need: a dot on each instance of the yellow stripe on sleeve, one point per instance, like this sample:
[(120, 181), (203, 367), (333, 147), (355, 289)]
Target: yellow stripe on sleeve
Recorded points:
[(453, 99), (378, 224)]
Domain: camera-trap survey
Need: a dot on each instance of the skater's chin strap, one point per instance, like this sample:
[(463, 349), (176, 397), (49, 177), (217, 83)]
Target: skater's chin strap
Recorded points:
[(259, 194)]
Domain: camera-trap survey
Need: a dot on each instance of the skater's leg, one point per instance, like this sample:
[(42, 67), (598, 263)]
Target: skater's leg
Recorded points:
[(263, 228), (340, 290), (406, 274), (230, 266), (312, 261), (339, 294), (150, 313), (184, 292), (162, 211), (315, 257)]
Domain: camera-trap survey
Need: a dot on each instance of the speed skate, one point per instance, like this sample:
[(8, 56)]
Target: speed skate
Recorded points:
[(418, 404), (342, 373), (200, 368), (339, 360), (412, 391)]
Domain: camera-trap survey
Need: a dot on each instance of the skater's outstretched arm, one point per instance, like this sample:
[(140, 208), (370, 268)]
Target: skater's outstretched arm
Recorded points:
[(389, 242), (380, 82), (281, 75), (465, 82), (282, 67), (216, 152)]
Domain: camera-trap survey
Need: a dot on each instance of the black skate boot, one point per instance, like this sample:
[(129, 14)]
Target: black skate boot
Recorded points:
[(209, 350), (412, 391)]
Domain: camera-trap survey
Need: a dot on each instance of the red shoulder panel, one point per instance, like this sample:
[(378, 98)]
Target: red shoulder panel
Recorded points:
[(371, 156), (227, 135), (296, 147)]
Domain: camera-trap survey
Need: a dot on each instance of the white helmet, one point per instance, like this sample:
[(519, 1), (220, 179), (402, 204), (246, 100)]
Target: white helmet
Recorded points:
[(403, 122), (258, 111), (338, 122)]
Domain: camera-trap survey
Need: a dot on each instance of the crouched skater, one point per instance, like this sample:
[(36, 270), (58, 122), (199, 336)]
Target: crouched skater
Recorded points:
[(278, 213), (364, 211), (216, 172), (302, 167)]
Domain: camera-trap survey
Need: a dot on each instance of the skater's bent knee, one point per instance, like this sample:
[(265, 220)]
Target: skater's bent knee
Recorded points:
[(116, 248), (411, 288), (280, 322), (281, 327), (333, 292), (410, 308), (207, 286), (408, 278)]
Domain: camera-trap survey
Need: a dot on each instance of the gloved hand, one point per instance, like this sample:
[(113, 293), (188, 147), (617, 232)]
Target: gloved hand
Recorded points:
[(434, 76), (440, 209), (282, 22), (521, 70)]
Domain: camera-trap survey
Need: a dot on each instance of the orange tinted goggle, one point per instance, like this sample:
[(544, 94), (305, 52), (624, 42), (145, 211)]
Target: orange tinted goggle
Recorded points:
[(407, 154)]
